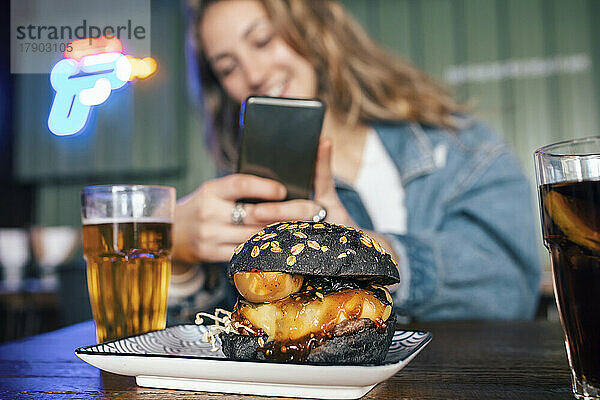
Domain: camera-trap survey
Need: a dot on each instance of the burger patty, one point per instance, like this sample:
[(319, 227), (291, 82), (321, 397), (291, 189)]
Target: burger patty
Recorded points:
[(299, 316)]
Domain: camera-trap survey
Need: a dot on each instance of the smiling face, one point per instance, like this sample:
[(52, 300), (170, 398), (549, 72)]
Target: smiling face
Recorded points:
[(249, 57)]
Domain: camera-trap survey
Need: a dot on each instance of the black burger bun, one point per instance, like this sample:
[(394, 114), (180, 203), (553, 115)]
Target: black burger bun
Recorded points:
[(315, 248), (368, 345)]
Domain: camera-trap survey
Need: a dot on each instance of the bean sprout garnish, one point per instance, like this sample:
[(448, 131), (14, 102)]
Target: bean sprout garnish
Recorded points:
[(223, 323)]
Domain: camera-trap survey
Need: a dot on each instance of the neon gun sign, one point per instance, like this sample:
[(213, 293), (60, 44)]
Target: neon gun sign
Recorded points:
[(85, 78)]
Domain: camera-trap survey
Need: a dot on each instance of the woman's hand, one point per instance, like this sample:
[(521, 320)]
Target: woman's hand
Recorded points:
[(203, 228)]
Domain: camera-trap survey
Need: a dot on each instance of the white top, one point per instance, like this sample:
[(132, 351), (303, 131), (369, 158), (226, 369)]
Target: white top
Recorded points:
[(380, 188)]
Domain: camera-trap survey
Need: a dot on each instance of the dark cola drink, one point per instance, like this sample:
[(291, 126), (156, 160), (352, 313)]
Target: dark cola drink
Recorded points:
[(571, 228)]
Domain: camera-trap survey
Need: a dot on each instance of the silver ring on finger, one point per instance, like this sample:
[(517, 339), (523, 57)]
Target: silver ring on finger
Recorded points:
[(238, 213), (321, 213)]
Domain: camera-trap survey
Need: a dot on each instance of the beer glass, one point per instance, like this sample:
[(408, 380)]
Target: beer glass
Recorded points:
[(127, 248), (568, 177)]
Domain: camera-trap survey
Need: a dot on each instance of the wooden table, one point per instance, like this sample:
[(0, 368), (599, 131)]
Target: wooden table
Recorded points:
[(465, 360)]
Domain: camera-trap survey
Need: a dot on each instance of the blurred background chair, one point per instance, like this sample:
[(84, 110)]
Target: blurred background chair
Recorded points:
[(53, 246), (15, 253)]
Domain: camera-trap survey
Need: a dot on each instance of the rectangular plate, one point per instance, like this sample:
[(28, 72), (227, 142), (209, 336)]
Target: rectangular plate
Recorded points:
[(178, 358)]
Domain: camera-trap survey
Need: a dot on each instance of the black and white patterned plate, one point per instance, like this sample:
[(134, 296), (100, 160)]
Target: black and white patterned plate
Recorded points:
[(178, 358)]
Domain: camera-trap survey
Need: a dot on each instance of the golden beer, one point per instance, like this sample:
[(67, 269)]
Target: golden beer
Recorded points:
[(128, 272)]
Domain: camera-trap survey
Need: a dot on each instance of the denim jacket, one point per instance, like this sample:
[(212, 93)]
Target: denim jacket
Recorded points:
[(470, 250)]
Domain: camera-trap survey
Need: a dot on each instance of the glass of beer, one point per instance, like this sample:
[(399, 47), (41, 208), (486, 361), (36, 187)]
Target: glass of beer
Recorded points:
[(568, 176), (127, 248)]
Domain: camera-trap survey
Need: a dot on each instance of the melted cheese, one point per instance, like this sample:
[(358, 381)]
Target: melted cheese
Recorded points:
[(295, 317)]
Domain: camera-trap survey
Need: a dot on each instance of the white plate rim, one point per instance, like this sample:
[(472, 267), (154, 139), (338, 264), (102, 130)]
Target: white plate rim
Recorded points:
[(188, 372)]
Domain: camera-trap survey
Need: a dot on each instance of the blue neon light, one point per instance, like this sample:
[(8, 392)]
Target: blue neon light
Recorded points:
[(80, 85)]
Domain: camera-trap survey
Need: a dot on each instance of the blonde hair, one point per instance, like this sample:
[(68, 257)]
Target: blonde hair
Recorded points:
[(359, 81)]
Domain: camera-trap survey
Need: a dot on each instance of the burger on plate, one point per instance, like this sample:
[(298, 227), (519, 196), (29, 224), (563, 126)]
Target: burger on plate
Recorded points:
[(311, 292)]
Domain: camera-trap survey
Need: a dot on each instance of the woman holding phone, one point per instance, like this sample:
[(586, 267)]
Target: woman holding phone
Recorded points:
[(398, 159)]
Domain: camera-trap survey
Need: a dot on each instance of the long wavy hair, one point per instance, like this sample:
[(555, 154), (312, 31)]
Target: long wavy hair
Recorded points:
[(359, 81)]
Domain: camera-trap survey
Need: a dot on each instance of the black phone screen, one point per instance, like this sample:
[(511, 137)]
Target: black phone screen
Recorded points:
[(279, 140)]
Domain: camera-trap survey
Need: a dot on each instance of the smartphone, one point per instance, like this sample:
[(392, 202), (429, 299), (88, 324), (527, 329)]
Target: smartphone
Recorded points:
[(279, 140)]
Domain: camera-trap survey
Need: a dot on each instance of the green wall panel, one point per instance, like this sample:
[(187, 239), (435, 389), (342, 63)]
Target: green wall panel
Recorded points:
[(577, 103), (395, 26), (481, 46), (438, 41), (363, 11), (530, 109)]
